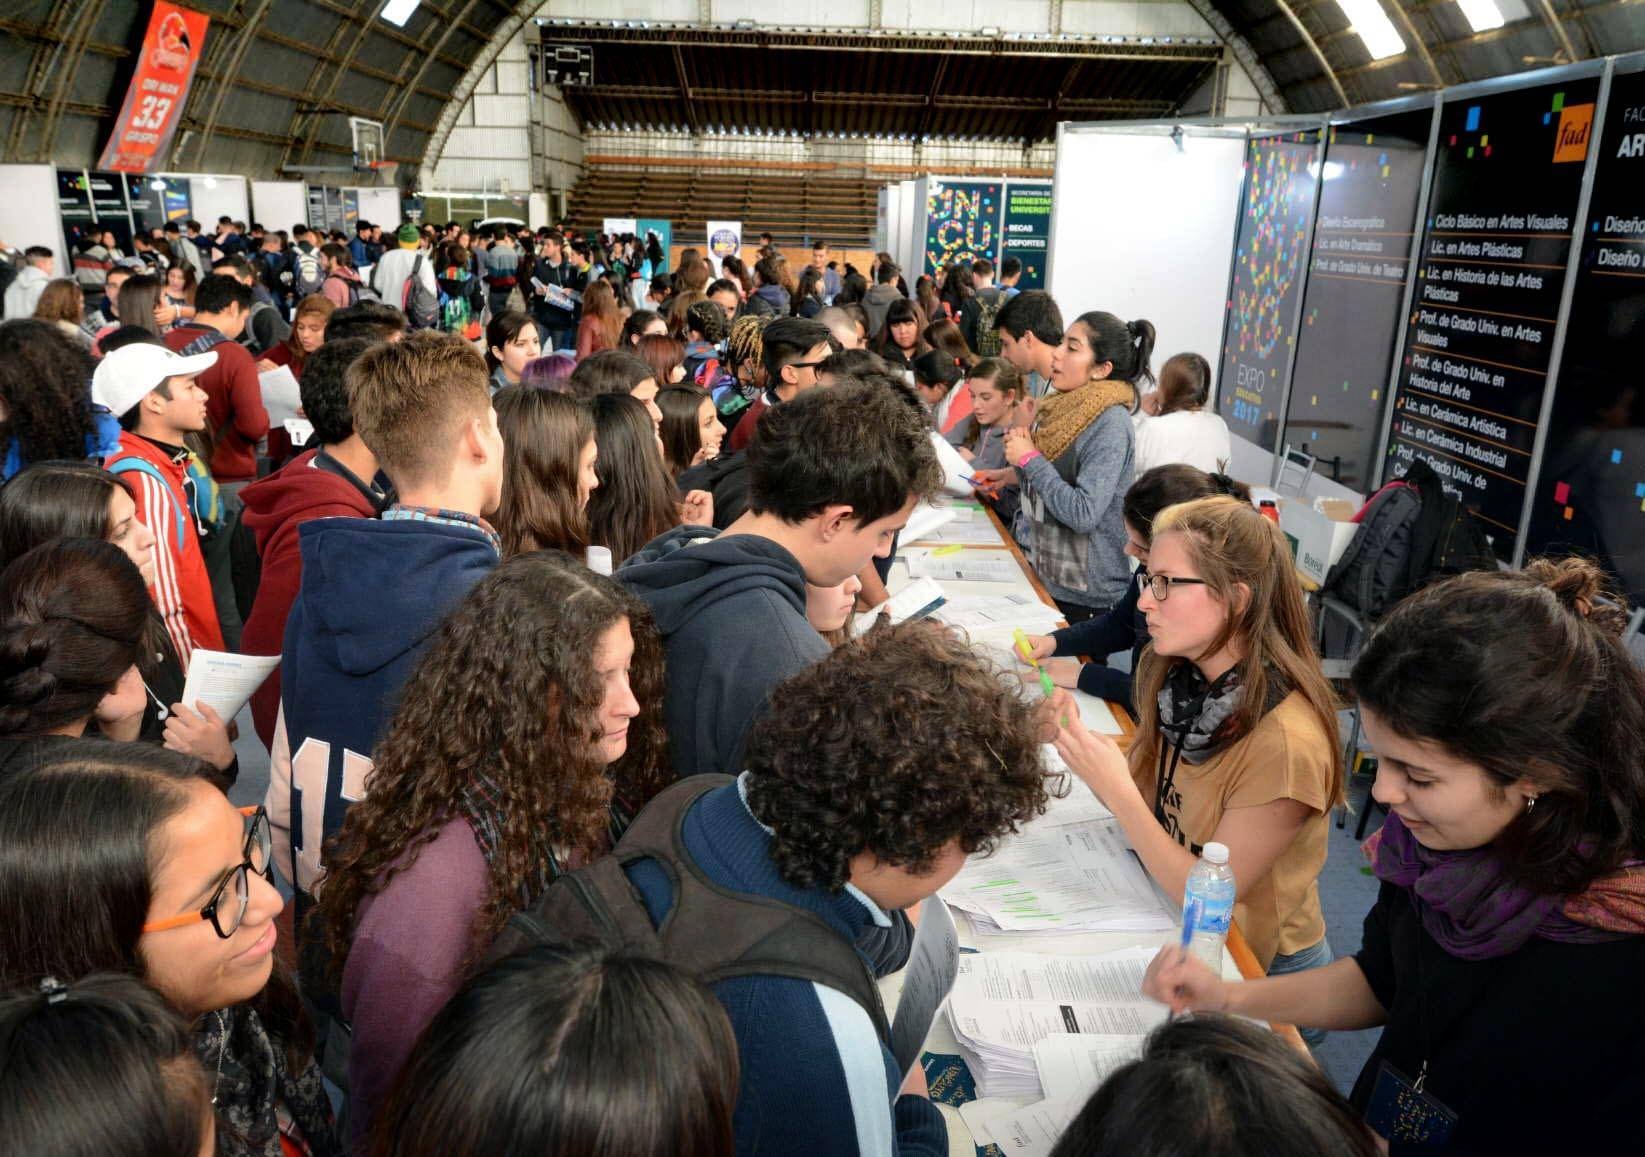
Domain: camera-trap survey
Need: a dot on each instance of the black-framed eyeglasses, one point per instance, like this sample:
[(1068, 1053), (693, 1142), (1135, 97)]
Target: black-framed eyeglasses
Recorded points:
[(807, 365), (225, 913), (1159, 585)]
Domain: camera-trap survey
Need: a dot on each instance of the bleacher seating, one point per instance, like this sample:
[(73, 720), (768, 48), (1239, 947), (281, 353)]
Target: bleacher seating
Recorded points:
[(795, 204)]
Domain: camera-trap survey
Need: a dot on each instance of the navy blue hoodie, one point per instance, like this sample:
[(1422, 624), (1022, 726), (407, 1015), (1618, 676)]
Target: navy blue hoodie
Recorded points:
[(731, 609), (372, 595)]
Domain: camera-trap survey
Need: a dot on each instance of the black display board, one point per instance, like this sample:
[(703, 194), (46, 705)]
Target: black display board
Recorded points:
[(1270, 248), (74, 207), (1506, 187), (1363, 241), (108, 197), (148, 204), (1590, 494), (317, 208)]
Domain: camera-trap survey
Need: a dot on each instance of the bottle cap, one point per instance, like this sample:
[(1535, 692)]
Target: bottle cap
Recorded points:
[(1216, 853)]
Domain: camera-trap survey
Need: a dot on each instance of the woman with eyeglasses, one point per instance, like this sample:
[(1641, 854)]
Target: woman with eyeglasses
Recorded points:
[(119, 857), (1237, 742), (53, 501), (1123, 628)]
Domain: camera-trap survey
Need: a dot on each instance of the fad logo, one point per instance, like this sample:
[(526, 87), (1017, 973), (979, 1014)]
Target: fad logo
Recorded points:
[(172, 46), (1576, 122)]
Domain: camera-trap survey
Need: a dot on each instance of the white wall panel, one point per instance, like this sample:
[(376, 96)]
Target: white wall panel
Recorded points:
[(277, 204), (28, 210), (1157, 248)]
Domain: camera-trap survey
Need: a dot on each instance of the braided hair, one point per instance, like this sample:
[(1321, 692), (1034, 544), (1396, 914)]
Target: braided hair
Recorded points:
[(73, 618)]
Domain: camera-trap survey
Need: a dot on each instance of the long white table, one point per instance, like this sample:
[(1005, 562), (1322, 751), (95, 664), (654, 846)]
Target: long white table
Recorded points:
[(1237, 962)]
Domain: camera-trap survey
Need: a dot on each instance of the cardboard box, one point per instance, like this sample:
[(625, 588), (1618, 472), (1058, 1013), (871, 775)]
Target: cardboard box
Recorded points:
[(1318, 538)]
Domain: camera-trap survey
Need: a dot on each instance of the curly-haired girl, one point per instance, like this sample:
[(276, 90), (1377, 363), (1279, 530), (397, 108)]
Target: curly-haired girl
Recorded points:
[(529, 732), (45, 389)]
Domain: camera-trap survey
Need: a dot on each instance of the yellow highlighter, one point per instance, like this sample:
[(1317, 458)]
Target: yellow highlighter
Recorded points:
[(947, 550), (1027, 653)]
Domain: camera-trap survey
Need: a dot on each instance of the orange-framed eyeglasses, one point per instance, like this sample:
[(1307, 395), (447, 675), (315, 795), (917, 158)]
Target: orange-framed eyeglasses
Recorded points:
[(225, 915)]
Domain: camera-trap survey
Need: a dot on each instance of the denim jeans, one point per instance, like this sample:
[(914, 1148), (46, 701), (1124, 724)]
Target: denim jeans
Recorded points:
[(1316, 957)]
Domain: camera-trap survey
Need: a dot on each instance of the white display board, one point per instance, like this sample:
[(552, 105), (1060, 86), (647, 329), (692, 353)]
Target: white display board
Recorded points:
[(1142, 227), (28, 211), (278, 204), (381, 206), (214, 197)]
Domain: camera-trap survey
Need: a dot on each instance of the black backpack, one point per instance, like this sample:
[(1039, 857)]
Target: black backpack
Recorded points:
[(1371, 575), (1445, 538), (711, 932), (1411, 533)]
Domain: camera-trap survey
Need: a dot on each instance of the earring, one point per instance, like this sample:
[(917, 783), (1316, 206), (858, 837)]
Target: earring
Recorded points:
[(1530, 802)]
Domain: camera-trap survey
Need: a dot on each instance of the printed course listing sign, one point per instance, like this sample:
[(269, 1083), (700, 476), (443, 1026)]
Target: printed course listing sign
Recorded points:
[(1490, 274)]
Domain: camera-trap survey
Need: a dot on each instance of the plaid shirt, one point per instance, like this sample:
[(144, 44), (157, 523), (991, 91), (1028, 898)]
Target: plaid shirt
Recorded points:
[(402, 513)]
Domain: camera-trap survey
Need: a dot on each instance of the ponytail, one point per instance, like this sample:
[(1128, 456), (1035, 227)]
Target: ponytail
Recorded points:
[(1128, 345)]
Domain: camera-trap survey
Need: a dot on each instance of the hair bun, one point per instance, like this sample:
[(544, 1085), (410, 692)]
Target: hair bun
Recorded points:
[(1583, 589)]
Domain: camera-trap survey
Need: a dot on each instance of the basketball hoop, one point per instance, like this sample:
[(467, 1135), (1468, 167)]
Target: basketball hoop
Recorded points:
[(386, 171)]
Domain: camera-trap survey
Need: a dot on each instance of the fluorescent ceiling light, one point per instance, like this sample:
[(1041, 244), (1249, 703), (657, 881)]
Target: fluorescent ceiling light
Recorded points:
[(1482, 15), (1371, 24), (397, 12)]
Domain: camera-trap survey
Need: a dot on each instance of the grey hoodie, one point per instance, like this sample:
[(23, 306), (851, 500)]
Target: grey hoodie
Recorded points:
[(876, 303), (731, 610)]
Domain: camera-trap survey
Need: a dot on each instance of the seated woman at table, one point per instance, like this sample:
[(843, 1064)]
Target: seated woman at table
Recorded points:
[(1124, 627), (1233, 1088), (1238, 736), (1504, 951), (1076, 464)]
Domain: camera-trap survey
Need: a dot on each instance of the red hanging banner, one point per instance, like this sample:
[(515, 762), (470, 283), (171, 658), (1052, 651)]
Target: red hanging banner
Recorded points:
[(159, 88)]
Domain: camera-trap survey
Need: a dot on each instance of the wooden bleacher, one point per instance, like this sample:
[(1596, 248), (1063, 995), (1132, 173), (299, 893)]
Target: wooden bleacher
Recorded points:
[(793, 202)]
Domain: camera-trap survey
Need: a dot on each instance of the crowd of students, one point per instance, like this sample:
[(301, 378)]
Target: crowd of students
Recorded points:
[(562, 587)]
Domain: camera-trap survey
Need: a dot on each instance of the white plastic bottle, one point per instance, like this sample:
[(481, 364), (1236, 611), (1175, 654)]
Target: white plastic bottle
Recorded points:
[(1209, 899)]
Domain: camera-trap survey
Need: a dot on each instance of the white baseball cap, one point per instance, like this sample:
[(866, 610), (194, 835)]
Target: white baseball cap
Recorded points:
[(126, 376)]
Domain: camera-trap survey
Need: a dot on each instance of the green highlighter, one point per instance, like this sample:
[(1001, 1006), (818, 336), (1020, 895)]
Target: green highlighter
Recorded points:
[(1027, 653)]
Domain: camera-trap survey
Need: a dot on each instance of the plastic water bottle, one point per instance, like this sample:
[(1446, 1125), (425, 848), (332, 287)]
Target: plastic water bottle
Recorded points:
[(1208, 903)]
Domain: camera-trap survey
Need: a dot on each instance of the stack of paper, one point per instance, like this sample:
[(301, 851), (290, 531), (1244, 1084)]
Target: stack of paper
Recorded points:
[(1009, 611), (1071, 1067), (969, 527), (1004, 1003), (925, 520), (976, 566), (1078, 876)]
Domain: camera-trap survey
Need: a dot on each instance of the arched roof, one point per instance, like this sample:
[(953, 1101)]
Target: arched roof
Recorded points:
[(279, 81)]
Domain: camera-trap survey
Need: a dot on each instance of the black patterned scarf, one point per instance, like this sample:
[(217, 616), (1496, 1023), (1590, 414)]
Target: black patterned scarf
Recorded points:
[(257, 1098)]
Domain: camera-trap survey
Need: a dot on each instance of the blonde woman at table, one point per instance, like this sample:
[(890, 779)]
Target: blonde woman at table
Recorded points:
[(1076, 465), (1238, 735), (1503, 955)]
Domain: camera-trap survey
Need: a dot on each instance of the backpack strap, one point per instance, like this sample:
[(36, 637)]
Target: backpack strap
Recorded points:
[(716, 933), (133, 464)]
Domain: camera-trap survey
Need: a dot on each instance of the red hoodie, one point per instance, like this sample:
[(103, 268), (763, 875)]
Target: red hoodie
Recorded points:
[(275, 507)]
